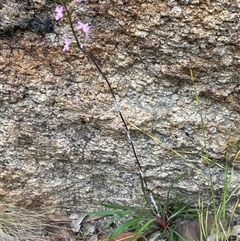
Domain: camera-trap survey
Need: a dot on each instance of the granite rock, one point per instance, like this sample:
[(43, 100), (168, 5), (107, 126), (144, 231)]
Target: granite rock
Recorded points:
[(61, 143)]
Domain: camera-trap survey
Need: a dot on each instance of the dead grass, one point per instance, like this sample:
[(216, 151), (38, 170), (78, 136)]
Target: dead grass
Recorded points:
[(20, 224), (17, 223)]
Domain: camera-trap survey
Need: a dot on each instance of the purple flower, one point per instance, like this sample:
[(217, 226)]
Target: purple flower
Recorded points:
[(83, 27), (59, 10), (66, 44), (77, 1)]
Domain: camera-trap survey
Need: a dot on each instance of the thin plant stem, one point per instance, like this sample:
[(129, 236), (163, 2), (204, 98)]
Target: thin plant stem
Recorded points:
[(204, 139), (117, 105)]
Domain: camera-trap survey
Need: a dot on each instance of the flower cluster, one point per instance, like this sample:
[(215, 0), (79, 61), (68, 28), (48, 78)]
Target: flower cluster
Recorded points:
[(84, 27)]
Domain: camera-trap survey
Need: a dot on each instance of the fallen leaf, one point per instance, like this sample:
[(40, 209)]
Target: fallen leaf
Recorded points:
[(121, 237), (91, 218), (61, 233), (59, 218), (93, 238), (89, 228), (76, 222)]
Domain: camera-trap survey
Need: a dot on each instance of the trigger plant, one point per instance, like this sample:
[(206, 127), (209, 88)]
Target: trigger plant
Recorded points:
[(68, 8), (155, 215)]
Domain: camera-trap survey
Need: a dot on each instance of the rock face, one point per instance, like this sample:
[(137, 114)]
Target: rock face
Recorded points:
[(60, 140)]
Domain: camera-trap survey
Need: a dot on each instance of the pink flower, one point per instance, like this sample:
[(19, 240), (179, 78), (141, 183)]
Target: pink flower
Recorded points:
[(66, 44), (84, 27), (59, 10), (77, 1)]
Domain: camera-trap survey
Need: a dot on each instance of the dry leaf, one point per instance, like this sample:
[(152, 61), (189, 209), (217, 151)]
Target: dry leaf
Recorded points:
[(91, 218), (62, 233), (93, 238), (59, 218), (76, 222), (121, 237), (89, 228)]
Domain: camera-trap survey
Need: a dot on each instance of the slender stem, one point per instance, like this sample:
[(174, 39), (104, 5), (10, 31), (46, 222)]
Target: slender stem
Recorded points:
[(92, 59)]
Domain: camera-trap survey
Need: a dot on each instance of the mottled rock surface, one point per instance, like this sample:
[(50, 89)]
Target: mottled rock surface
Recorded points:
[(61, 143)]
